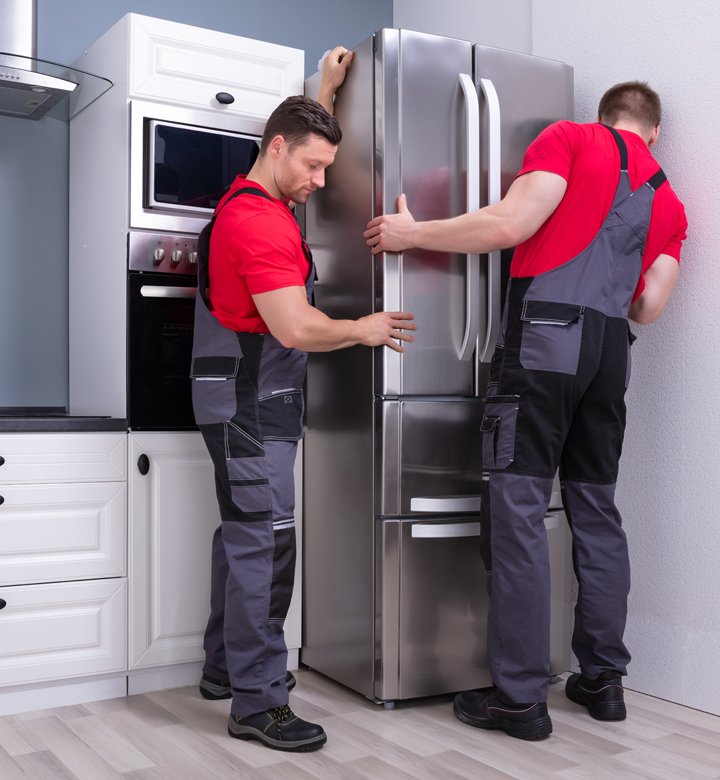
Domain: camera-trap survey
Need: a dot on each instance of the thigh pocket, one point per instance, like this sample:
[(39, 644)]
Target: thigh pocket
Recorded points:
[(498, 431), (281, 414), (247, 471), (551, 336), (214, 392)]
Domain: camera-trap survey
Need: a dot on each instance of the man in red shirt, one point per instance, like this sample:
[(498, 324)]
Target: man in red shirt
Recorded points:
[(254, 324), (598, 232)]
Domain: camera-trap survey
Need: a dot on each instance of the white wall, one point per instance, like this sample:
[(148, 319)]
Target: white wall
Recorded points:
[(505, 25), (669, 491)]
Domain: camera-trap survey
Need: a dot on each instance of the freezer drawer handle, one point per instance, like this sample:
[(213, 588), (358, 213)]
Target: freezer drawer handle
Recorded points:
[(472, 282), (445, 504), (160, 291), (445, 530), (494, 173)]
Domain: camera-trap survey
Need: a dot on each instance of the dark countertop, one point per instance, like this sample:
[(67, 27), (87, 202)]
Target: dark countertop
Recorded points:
[(39, 422)]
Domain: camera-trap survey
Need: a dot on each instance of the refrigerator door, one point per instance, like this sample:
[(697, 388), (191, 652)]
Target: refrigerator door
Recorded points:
[(424, 131), (520, 95)]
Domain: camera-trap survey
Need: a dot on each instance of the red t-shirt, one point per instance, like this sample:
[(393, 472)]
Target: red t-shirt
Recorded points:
[(587, 157), (255, 247)]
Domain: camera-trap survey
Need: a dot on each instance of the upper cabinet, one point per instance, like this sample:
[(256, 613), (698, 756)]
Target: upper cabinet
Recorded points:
[(208, 69), (162, 61)]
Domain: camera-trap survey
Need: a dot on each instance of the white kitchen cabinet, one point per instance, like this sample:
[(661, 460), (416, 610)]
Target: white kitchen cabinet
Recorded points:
[(173, 515), (62, 556), (62, 630), (189, 66)]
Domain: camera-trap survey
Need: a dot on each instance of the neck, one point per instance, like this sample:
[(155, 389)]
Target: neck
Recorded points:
[(633, 127), (261, 175)]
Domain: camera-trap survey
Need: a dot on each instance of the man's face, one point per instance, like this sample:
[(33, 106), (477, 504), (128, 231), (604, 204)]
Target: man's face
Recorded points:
[(299, 171)]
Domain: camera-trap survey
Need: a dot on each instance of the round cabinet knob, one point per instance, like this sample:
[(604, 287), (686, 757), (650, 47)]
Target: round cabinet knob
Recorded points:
[(3, 603), (2, 460), (192, 258), (225, 98), (158, 255), (176, 256)]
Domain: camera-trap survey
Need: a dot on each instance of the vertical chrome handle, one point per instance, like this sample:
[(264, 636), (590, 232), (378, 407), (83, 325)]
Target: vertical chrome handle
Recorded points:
[(494, 163), (472, 157)]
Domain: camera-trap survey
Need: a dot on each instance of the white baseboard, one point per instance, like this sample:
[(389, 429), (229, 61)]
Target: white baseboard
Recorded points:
[(27, 698)]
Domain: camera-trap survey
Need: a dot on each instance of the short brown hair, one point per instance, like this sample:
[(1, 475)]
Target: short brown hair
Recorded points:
[(298, 117), (632, 100)]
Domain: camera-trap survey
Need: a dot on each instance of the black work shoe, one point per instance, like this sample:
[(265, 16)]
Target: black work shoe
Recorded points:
[(603, 697), (486, 710), (210, 688), (280, 729)]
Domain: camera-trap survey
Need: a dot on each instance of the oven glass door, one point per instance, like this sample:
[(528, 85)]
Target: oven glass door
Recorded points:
[(161, 310)]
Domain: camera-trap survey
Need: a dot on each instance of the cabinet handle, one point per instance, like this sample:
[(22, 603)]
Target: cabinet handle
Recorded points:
[(225, 98), (3, 603), (143, 464), (2, 499), (2, 460)]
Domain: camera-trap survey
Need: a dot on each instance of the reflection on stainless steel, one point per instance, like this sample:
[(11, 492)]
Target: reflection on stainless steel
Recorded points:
[(395, 532)]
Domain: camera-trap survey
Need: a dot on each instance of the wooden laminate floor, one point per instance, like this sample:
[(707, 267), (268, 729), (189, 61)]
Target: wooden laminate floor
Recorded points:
[(177, 735)]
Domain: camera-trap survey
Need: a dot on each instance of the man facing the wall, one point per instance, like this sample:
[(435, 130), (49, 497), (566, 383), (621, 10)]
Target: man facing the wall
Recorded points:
[(598, 233)]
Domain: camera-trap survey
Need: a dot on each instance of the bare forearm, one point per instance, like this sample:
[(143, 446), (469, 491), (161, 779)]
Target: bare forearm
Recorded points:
[(476, 232), (660, 281), (316, 332)]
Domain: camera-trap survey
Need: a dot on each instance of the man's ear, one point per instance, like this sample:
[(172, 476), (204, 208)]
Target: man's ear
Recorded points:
[(276, 145), (654, 135)]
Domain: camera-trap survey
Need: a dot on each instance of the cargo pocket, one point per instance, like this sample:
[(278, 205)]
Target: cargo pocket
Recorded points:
[(214, 394), (247, 472), (281, 414), (628, 367), (551, 336), (498, 431)]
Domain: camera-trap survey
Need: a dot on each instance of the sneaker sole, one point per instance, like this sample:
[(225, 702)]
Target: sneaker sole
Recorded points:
[(214, 692), (299, 746), (533, 730)]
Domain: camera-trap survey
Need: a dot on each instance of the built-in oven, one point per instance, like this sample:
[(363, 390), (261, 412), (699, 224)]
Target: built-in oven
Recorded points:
[(181, 162), (161, 290)]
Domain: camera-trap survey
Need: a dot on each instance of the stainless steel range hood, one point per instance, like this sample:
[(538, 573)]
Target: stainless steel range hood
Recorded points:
[(31, 88)]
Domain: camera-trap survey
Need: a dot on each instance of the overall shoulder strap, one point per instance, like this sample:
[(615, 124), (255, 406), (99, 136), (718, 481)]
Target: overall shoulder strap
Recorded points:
[(622, 148)]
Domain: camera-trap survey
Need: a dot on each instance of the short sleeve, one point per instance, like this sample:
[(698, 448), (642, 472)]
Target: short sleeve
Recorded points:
[(553, 150)]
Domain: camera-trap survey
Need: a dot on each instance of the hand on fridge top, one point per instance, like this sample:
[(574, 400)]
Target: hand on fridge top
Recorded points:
[(391, 232), (335, 66)]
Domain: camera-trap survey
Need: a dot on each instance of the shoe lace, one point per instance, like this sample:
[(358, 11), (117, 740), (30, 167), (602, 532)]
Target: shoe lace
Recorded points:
[(280, 714)]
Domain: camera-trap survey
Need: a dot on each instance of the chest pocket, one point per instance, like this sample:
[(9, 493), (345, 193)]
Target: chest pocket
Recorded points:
[(551, 336)]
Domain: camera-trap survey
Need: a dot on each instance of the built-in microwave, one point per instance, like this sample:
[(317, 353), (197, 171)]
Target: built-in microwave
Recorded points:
[(182, 160)]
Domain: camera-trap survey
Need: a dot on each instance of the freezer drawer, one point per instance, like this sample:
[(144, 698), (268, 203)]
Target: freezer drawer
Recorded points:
[(427, 448), (432, 608), (432, 604)]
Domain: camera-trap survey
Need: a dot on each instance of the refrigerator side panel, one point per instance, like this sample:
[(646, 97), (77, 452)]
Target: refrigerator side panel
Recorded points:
[(338, 545), (419, 133)]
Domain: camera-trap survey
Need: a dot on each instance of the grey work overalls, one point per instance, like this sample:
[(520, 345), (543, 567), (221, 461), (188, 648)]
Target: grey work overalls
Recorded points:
[(556, 399), (248, 403)]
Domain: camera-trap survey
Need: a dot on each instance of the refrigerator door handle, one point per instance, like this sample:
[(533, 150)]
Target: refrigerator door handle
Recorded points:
[(445, 504), (494, 163), (472, 281), (445, 530)]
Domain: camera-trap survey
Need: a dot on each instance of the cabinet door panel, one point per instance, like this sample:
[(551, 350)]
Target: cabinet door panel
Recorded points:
[(50, 533), (62, 457), (190, 65), (62, 630), (173, 514)]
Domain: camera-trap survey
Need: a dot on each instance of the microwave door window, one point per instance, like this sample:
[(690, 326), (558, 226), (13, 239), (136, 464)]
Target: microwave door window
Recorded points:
[(193, 167)]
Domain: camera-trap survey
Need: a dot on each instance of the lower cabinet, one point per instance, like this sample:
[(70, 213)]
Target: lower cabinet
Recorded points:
[(62, 630), (173, 514), (63, 589)]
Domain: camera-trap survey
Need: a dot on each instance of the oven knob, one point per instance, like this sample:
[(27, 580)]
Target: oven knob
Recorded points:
[(176, 256), (158, 255), (192, 258)]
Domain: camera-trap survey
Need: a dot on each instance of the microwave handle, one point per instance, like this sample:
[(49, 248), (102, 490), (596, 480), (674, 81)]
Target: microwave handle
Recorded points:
[(161, 291)]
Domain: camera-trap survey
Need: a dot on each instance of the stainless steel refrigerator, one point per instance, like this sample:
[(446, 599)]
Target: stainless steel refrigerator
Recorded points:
[(395, 551)]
